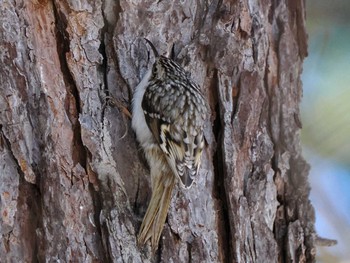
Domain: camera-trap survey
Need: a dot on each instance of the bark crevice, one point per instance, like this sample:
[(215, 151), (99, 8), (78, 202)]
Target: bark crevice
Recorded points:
[(72, 101), (28, 215), (219, 190)]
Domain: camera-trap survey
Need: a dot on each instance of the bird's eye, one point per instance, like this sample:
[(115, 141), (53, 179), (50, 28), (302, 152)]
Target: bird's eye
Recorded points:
[(155, 70)]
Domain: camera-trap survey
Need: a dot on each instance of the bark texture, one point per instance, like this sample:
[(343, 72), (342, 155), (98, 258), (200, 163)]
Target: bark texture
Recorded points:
[(74, 185)]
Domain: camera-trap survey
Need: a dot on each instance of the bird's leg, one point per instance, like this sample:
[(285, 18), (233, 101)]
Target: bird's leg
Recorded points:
[(109, 100)]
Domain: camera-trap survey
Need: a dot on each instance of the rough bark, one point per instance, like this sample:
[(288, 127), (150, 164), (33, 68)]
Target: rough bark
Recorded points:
[(74, 185)]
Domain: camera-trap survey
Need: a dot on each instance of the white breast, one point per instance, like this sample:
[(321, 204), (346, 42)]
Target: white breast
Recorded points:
[(143, 133)]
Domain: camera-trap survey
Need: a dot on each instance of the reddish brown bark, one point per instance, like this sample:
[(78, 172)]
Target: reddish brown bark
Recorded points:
[(74, 184)]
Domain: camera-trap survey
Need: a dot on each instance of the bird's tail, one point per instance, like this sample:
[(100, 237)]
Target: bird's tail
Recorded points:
[(153, 222)]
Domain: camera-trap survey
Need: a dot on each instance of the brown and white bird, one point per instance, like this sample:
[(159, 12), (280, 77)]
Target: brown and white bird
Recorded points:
[(169, 112)]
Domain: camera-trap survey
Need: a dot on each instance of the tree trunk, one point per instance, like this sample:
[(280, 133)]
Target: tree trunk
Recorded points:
[(74, 183)]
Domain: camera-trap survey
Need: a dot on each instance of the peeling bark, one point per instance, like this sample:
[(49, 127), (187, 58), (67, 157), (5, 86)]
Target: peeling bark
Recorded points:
[(74, 183)]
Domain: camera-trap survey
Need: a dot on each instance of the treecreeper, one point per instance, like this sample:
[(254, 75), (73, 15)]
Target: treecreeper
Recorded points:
[(168, 115)]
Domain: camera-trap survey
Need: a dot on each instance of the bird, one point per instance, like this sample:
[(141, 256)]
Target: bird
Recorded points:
[(168, 116)]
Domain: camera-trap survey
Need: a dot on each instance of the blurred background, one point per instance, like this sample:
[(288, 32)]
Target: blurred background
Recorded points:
[(326, 122)]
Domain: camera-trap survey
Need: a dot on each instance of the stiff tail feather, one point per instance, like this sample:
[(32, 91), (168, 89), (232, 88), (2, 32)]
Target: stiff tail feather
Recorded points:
[(153, 222)]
